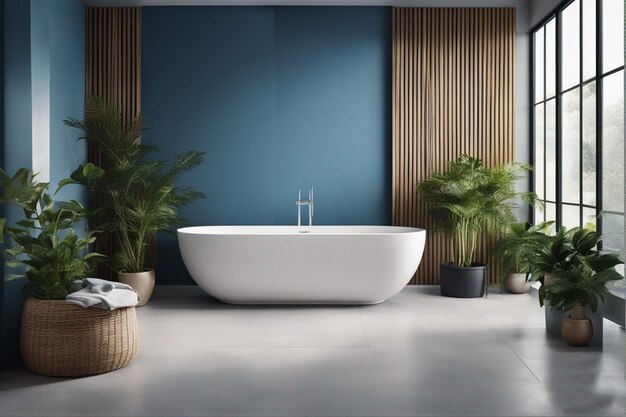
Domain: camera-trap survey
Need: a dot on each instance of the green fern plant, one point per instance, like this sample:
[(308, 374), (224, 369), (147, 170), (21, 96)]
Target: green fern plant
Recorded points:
[(45, 248), (469, 198), (517, 248), (133, 197)]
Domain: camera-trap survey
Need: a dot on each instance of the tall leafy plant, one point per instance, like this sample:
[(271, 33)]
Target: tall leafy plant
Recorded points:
[(469, 198), (133, 197), (45, 248)]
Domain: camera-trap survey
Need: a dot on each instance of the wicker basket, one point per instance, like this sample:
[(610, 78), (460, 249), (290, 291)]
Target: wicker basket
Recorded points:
[(62, 339)]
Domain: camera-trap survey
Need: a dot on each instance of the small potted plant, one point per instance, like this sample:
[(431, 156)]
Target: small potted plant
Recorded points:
[(59, 338), (566, 250), (517, 251), (133, 197), (572, 290), (466, 200)]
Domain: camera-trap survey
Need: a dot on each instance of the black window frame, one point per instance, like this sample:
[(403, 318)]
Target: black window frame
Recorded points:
[(598, 78)]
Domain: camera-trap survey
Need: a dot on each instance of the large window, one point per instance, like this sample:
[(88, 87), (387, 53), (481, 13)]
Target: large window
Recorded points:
[(578, 117)]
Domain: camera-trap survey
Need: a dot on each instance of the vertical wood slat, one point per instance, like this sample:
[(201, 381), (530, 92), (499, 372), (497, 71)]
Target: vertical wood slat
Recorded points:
[(453, 93), (113, 57), (113, 72)]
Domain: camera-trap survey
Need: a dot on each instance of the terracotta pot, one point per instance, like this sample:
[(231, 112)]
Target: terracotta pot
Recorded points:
[(516, 284), (577, 330), (142, 283)]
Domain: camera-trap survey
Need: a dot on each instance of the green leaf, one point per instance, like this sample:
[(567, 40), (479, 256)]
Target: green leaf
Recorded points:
[(11, 277), (13, 264), (93, 255), (92, 172), (12, 253), (26, 223)]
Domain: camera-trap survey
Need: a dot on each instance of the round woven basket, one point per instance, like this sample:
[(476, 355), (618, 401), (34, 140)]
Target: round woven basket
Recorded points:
[(62, 339)]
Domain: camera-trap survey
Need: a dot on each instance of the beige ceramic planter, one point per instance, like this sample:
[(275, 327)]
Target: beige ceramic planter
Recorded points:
[(516, 284), (577, 330), (142, 283)]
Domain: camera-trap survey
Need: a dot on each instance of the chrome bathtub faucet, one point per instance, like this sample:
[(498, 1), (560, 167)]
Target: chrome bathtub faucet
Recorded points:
[(309, 202)]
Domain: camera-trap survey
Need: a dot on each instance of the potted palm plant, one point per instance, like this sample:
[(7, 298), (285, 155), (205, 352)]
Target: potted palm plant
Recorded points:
[(572, 290), (133, 197), (465, 200), (59, 338), (517, 251)]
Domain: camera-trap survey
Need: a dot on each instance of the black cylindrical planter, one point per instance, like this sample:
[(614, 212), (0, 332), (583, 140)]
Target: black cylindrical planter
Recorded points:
[(462, 282)]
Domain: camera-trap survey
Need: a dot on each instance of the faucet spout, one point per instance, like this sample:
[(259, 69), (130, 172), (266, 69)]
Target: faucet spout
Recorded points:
[(309, 202)]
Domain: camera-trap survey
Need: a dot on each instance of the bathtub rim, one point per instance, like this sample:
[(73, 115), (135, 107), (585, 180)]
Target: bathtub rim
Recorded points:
[(288, 230)]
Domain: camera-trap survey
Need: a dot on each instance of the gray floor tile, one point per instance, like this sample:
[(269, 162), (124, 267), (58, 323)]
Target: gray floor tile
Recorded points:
[(418, 354)]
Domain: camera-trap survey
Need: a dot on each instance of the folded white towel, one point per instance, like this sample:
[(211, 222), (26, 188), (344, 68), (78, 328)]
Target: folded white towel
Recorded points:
[(100, 293)]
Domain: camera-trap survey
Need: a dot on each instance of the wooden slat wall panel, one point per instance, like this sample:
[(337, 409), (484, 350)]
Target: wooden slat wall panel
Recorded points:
[(113, 72), (453, 93), (113, 56)]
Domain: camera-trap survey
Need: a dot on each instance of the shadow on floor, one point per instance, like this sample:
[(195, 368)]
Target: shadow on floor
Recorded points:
[(19, 377)]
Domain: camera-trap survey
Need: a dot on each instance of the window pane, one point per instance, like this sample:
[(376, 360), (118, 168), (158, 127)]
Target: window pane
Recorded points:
[(613, 142), (551, 213), (589, 218), (612, 232), (539, 65), (570, 147), (539, 215), (550, 139), (589, 144), (551, 58), (618, 286), (571, 216), (539, 144), (570, 33), (612, 34), (589, 39)]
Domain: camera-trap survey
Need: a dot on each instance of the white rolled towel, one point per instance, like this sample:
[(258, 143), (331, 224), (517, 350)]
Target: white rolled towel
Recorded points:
[(100, 293)]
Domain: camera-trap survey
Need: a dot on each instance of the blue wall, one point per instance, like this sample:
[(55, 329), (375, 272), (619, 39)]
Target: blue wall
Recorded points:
[(279, 98), (43, 48), (16, 146)]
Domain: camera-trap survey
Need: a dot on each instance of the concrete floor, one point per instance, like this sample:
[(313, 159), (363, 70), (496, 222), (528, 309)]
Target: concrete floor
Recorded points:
[(417, 354)]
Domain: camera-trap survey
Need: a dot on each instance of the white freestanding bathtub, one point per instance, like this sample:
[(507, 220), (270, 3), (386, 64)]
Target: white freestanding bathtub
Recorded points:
[(301, 265)]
